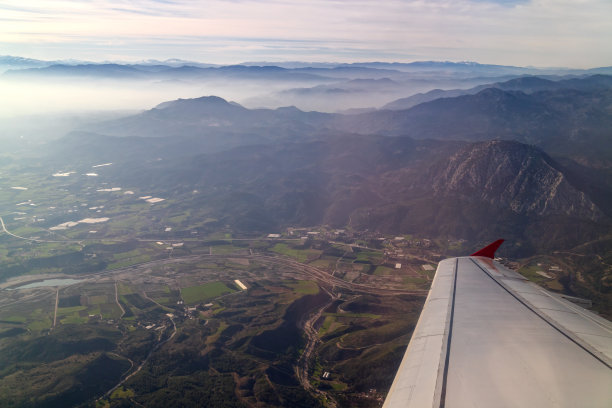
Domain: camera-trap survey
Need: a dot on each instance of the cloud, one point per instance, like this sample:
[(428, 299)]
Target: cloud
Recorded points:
[(508, 3), (520, 32)]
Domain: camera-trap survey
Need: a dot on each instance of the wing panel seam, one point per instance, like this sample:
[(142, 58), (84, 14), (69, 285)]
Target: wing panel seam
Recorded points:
[(450, 335), (524, 303)]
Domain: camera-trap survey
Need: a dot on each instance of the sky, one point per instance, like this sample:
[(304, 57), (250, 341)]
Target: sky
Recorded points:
[(545, 33)]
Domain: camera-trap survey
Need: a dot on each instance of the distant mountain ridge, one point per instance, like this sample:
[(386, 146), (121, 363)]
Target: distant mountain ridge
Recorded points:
[(569, 118), (526, 84), (465, 66), (323, 87), (145, 71), (214, 120), (573, 120), (18, 66)]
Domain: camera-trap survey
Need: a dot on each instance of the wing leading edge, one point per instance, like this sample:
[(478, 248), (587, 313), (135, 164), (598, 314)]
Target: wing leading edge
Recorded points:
[(487, 337)]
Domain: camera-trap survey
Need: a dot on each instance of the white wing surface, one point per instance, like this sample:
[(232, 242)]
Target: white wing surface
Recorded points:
[(487, 337)]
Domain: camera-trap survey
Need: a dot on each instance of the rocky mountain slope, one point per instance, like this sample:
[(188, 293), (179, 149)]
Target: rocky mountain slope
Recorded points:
[(512, 175), (472, 191)]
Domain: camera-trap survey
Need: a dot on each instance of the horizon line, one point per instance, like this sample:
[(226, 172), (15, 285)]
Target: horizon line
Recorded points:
[(76, 61)]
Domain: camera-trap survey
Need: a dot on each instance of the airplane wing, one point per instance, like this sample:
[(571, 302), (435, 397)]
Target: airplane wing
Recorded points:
[(487, 337)]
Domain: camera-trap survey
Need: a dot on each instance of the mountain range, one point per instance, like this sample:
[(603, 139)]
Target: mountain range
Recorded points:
[(525, 84), (528, 159), (324, 87), (448, 67), (494, 163), (568, 119)]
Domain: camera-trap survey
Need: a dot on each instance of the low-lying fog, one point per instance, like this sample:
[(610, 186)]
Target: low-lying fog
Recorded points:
[(27, 97), (35, 109), (50, 103), (41, 109), (33, 95)]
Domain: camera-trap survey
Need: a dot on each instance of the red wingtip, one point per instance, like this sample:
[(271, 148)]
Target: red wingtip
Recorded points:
[(489, 250)]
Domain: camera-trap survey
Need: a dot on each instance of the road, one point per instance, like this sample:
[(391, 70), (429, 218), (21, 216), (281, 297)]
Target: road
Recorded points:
[(318, 274), (599, 257), (63, 241), (140, 239), (325, 278), (157, 346), (339, 260), (321, 276), (118, 303), (17, 236), (55, 311), (312, 339)]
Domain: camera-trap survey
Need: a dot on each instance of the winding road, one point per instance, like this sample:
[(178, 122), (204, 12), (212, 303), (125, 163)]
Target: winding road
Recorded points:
[(157, 346), (117, 301), (55, 311), (312, 335)]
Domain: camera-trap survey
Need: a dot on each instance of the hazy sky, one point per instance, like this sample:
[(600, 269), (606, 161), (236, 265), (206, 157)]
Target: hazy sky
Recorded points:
[(574, 33)]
